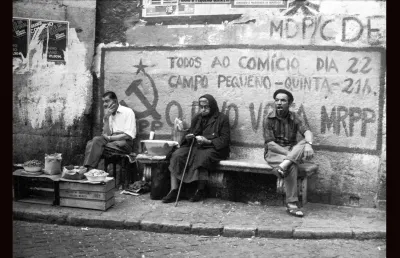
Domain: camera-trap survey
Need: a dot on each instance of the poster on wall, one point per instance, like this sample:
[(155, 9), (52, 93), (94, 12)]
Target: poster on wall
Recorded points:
[(169, 10), (20, 42), (54, 37), (260, 3)]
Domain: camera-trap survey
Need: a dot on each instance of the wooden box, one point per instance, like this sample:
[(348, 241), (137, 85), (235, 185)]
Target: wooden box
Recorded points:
[(83, 194), (41, 189)]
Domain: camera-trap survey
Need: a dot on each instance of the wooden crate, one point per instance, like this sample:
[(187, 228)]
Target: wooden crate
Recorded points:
[(87, 204), (82, 194), (41, 189)]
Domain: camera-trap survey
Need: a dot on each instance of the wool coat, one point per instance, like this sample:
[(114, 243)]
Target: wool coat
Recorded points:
[(203, 158)]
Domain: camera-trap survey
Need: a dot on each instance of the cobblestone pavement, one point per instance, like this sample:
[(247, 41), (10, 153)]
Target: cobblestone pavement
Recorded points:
[(48, 240)]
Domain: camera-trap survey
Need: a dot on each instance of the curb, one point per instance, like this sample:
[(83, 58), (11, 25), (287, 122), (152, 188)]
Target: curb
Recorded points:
[(208, 229), (239, 231), (323, 233), (166, 226)]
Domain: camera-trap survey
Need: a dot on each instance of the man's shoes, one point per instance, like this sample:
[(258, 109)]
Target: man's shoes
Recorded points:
[(198, 196), (171, 196), (292, 209)]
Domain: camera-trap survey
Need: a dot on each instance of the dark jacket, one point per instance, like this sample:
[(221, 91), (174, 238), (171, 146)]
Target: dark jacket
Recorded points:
[(214, 127), (217, 130)]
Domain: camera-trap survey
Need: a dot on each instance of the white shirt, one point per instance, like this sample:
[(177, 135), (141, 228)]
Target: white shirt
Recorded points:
[(123, 121)]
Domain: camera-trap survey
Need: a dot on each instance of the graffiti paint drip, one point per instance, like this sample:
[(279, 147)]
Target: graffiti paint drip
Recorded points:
[(36, 46)]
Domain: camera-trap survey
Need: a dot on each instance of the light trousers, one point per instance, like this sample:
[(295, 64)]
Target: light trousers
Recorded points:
[(276, 155), (96, 146)]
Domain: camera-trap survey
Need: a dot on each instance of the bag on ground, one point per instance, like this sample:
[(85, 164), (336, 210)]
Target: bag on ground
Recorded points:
[(52, 164)]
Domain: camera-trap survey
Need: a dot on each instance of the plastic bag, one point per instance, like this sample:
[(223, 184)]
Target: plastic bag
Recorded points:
[(76, 173), (52, 165), (178, 131)]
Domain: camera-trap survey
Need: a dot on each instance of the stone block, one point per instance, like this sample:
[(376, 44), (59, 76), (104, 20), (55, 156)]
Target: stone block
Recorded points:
[(85, 221), (320, 233), (362, 234), (275, 232), (111, 222), (206, 229), (132, 223), (76, 221), (239, 231), (38, 216), (165, 226)]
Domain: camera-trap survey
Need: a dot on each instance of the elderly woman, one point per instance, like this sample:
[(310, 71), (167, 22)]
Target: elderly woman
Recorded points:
[(211, 131)]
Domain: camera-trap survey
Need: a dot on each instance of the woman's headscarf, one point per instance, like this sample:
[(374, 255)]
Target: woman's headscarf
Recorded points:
[(212, 103), (202, 120)]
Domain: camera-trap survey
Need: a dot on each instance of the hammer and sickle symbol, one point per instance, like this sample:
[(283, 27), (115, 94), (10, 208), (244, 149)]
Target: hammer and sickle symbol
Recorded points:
[(151, 107)]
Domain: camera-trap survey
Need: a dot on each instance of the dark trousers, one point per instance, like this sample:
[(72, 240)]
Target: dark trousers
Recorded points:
[(96, 146)]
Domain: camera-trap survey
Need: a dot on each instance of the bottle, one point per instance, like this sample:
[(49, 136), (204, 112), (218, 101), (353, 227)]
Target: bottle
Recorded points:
[(151, 136)]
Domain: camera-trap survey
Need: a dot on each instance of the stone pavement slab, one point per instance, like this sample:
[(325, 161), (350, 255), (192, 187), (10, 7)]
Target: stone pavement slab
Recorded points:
[(216, 217)]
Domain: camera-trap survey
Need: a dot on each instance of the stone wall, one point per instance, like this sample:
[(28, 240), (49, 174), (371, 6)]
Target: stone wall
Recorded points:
[(52, 102), (330, 54)]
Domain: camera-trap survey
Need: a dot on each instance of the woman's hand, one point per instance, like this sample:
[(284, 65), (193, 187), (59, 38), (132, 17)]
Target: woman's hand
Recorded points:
[(202, 140), (189, 136)]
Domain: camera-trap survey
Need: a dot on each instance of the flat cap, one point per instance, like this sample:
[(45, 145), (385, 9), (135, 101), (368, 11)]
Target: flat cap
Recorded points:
[(290, 96)]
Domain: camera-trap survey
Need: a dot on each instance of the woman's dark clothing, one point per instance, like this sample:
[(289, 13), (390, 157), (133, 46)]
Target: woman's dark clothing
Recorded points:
[(214, 127)]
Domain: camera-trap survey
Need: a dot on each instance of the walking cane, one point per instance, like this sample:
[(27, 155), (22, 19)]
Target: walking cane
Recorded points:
[(184, 170)]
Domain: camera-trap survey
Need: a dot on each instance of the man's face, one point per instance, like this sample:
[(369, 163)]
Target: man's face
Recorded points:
[(204, 106), (107, 102), (281, 104)]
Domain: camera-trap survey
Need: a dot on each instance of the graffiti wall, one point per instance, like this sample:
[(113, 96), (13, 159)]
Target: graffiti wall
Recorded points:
[(52, 84), (153, 82), (330, 54)]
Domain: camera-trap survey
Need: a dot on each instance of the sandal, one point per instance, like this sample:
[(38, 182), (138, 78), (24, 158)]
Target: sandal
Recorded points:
[(294, 211)]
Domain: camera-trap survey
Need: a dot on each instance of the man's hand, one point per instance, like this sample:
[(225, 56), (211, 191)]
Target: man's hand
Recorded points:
[(106, 136), (308, 152), (110, 110)]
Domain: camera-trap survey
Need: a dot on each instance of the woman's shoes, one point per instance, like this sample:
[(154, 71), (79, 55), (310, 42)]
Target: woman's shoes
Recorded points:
[(171, 196), (198, 196)]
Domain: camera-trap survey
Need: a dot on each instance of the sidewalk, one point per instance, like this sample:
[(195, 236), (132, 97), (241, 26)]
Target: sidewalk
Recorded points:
[(216, 217)]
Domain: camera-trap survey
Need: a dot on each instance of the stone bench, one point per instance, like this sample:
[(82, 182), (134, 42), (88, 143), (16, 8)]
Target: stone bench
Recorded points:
[(248, 166)]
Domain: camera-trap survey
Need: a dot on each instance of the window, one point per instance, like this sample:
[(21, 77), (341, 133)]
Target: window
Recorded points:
[(205, 1), (166, 2), (163, 2)]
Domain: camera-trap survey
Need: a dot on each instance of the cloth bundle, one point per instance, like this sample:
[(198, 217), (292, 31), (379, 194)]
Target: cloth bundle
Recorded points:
[(74, 173), (178, 131), (52, 165)]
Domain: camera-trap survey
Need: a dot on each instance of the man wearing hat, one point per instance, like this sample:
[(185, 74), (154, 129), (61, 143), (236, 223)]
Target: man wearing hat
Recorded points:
[(282, 151)]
